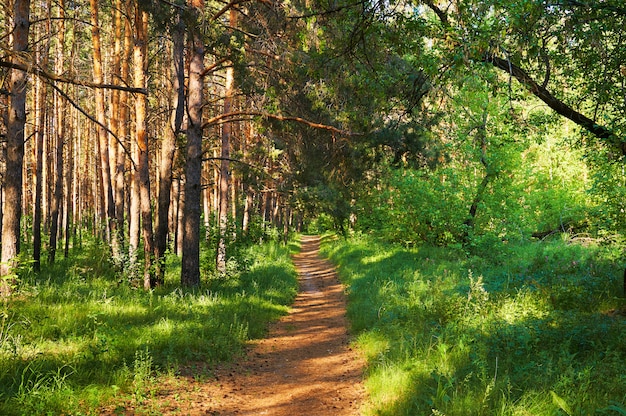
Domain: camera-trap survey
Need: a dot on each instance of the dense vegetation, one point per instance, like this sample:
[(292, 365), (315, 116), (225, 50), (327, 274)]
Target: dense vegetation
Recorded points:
[(78, 337), (524, 329)]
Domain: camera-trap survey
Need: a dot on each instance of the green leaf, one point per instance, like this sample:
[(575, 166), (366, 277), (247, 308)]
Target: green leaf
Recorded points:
[(558, 400)]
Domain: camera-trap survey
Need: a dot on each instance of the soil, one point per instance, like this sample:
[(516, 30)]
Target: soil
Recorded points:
[(304, 367)]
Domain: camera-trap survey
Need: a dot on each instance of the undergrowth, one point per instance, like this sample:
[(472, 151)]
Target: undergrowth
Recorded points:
[(75, 335), (520, 330)]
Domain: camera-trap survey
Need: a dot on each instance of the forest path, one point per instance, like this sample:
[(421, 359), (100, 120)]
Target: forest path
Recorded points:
[(304, 367)]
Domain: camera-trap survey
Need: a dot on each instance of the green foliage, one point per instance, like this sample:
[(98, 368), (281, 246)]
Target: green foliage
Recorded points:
[(522, 329), (74, 336)]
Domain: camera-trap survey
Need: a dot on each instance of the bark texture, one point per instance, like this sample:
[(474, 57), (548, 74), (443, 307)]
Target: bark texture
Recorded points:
[(16, 120), (190, 270)]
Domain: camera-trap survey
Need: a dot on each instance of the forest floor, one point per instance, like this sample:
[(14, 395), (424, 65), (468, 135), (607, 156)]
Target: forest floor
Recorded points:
[(304, 367)]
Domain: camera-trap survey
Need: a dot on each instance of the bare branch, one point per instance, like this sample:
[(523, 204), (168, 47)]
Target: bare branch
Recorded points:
[(226, 118), (57, 78), (93, 119)]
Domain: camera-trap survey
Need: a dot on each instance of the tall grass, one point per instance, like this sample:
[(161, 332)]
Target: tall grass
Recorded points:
[(75, 335), (518, 330)]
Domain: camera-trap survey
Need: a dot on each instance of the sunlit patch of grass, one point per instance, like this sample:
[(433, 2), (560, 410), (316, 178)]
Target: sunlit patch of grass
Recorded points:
[(75, 338), (522, 332)]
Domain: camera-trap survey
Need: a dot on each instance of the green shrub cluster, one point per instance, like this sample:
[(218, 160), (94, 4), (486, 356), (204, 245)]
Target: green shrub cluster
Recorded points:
[(522, 331)]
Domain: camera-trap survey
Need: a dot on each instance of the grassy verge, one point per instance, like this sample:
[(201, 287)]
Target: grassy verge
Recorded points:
[(75, 336), (520, 330)]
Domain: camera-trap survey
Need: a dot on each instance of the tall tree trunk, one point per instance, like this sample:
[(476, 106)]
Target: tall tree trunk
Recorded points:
[(168, 146), (123, 160), (102, 135), (60, 116), (40, 116), (16, 121), (41, 109), (190, 270), (134, 205), (119, 117), (225, 164), (143, 168)]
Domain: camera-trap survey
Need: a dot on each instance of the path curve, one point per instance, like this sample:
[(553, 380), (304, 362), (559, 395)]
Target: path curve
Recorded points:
[(304, 367)]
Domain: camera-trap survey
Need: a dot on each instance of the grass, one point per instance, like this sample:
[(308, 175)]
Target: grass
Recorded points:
[(76, 335), (518, 330)]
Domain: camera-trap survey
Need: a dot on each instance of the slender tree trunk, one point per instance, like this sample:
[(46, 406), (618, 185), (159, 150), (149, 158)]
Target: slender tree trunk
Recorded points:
[(482, 187), (247, 209), (224, 163), (70, 194), (16, 121), (40, 116), (103, 141), (190, 270), (122, 162), (60, 115), (143, 168), (180, 218), (41, 109), (119, 117), (168, 146)]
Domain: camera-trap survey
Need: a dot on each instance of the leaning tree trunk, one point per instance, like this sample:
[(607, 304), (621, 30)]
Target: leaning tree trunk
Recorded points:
[(190, 269), (482, 187), (16, 120)]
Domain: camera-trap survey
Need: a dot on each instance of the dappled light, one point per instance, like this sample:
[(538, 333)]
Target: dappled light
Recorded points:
[(440, 335)]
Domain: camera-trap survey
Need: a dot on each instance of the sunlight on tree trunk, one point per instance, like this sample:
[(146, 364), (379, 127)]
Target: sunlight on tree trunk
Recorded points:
[(224, 178), (140, 62), (16, 120), (102, 135)]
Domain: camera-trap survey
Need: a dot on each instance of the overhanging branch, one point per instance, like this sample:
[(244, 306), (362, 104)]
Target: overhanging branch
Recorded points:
[(554, 103)]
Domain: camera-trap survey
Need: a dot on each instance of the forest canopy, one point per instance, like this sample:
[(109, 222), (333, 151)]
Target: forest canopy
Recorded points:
[(142, 123)]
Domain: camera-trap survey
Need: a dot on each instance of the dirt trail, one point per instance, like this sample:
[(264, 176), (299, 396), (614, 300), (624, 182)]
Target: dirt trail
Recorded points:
[(304, 367)]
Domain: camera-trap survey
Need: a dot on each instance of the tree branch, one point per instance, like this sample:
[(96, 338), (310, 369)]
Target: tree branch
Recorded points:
[(554, 103), (57, 78), (223, 118), (93, 119)]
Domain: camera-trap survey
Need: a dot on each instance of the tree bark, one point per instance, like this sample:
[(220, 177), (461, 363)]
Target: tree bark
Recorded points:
[(140, 61), (40, 119), (482, 187), (168, 145), (224, 178), (102, 134), (16, 120), (119, 118), (60, 115), (190, 269), (554, 103)]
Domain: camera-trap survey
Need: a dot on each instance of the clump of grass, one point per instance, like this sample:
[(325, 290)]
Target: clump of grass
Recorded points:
[(76, 335), (522, 331)]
